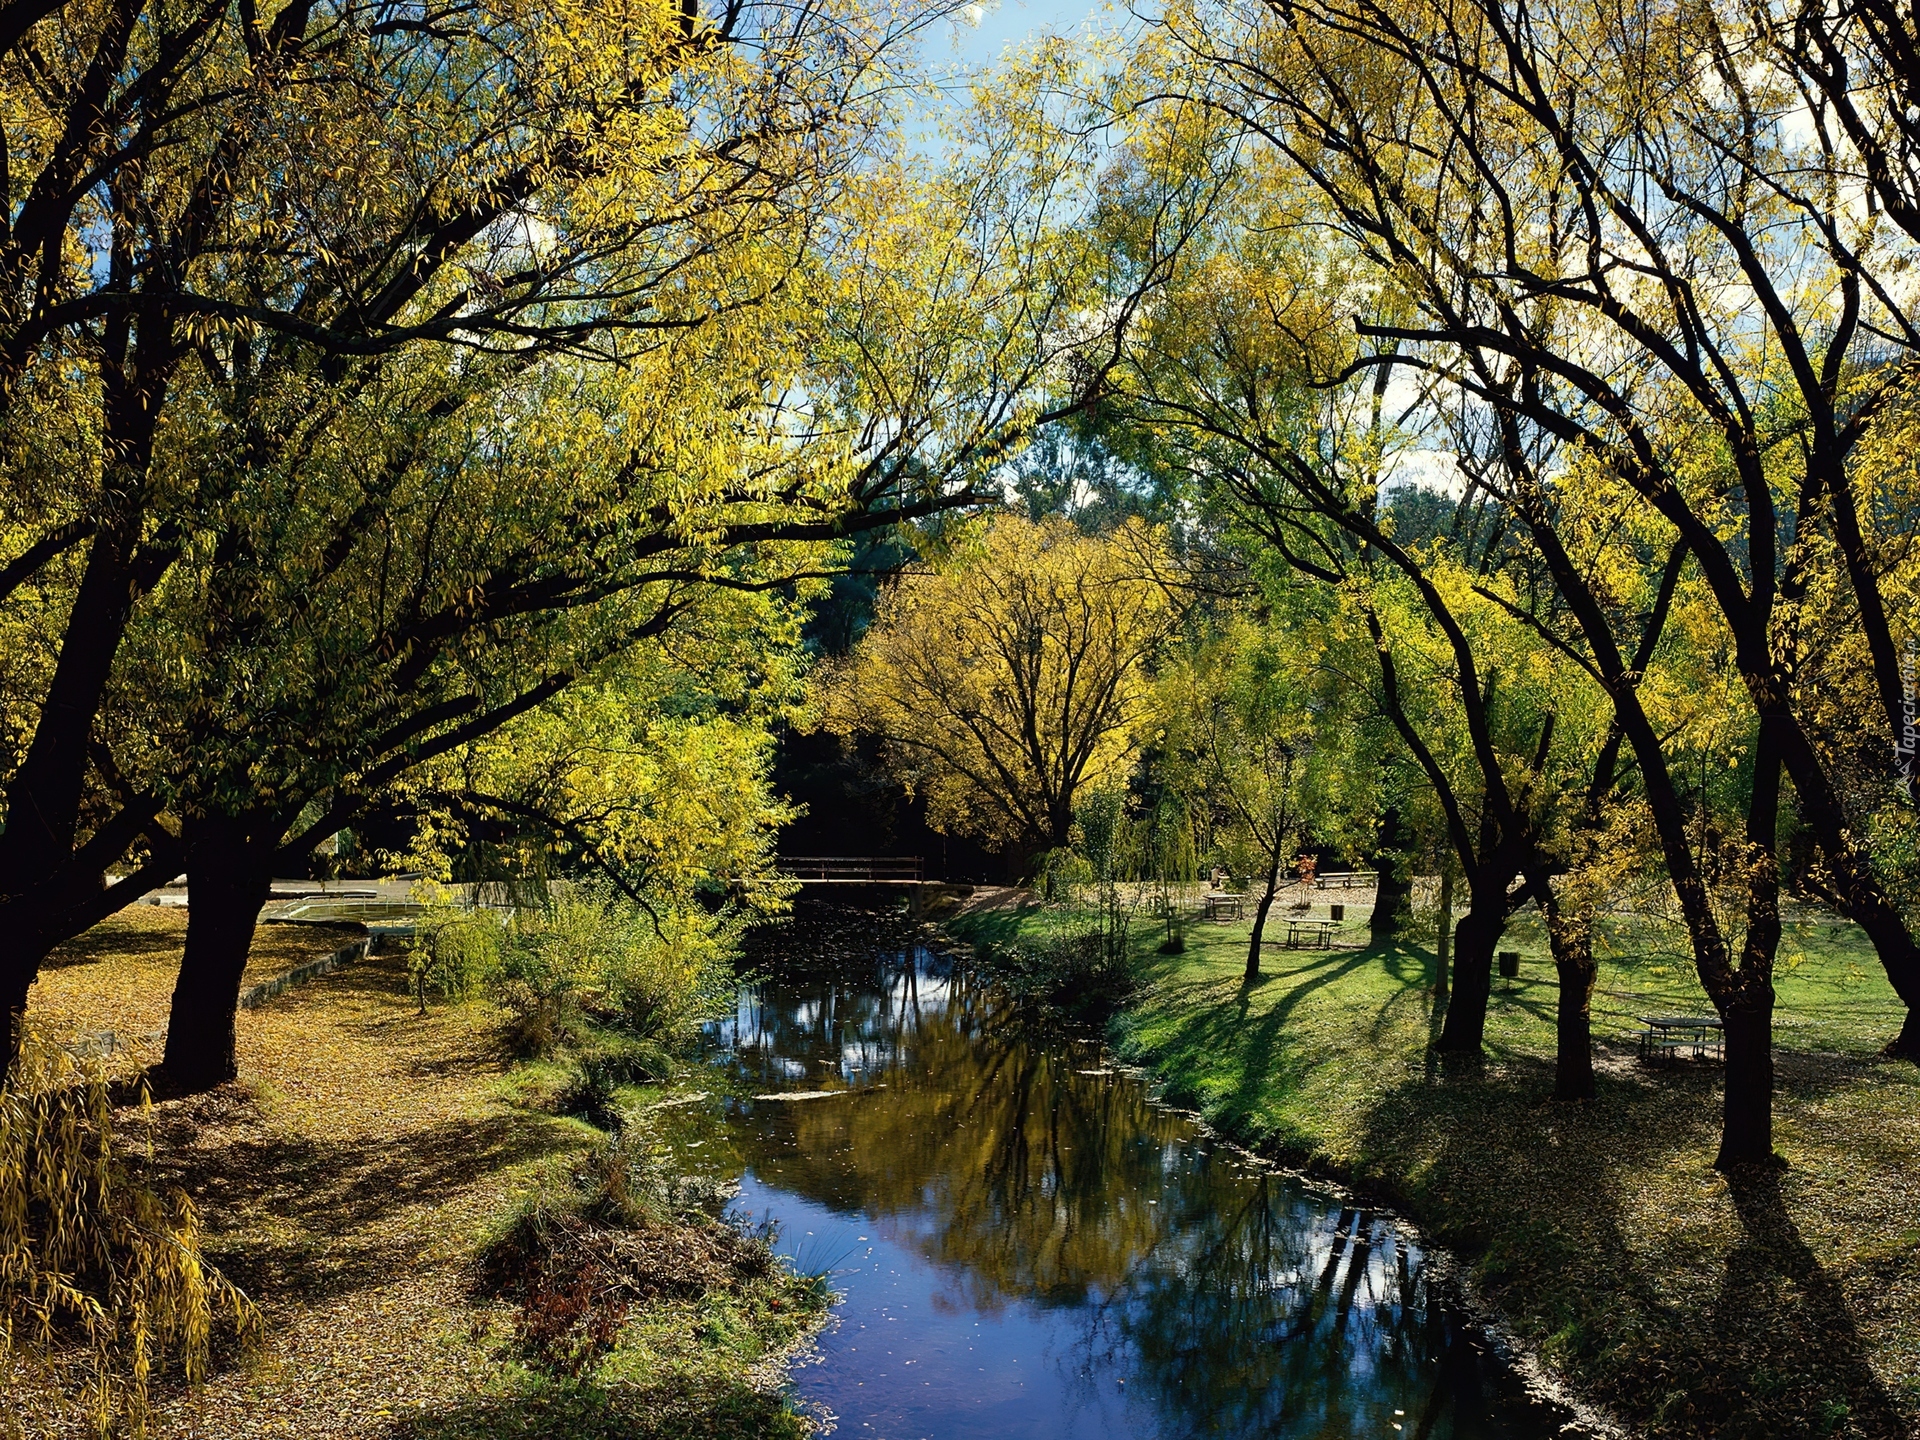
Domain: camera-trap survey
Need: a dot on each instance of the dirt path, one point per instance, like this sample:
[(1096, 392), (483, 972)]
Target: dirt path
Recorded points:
[(347, 1188), (344, 1181), (118, 978)]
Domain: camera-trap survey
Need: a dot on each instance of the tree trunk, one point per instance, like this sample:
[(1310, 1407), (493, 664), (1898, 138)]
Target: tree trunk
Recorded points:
[(1260, 915), (1906, 1045), (31, 928), (1663, 802), (1395, 886), (1746, 1135), (1866, 901), (1443, 946), (1573, 1047), (1479, 932), (45, 794), (17, 969), (229, 872), (1572, 940), (1746, 1126)]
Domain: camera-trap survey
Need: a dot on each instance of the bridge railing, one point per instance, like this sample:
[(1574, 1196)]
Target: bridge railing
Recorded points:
[(852, 867)]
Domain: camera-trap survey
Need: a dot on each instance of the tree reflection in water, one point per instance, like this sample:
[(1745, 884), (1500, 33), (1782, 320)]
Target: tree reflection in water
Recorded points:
[(1230, 1300)]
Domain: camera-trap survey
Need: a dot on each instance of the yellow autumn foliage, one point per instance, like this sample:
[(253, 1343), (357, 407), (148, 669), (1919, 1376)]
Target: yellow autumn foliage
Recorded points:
[(1010, 679)]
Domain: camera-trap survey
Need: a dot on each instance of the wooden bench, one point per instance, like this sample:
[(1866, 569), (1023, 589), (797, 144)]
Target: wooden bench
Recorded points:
[(1346, 880), (1309, 935)]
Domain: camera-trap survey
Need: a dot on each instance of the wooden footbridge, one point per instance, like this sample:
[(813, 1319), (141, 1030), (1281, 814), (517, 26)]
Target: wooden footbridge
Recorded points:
[(853, 869)]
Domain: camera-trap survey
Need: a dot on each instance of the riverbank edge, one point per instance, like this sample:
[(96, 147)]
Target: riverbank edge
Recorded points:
[(1590, 1415)]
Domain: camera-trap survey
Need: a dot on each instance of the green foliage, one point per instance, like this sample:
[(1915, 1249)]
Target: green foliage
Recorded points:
[(589, 955), (1170, 861), (603, 1068), (1893, 840), (1259, 729), (1075, 961), (455, 953), (1057, 873), (103, 1285), (657, 769), (1107, 837)]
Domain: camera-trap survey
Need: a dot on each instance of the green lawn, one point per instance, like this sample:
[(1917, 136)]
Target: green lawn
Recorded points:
[(1783, 1305)]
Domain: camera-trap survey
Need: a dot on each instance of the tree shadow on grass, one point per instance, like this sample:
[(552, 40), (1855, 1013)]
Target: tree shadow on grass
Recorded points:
[(991, 927), (1787, 1357), (1677, 1337), (1261, 1044)]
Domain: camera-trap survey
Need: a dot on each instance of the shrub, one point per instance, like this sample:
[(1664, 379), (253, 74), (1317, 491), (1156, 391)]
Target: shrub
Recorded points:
[(599, 1073), (1056, 874), (649, 971), (455, 954), (1082, 972), (102, 1281)]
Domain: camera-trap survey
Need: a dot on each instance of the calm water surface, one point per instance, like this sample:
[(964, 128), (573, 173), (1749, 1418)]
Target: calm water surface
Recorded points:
[(1027, 1248)]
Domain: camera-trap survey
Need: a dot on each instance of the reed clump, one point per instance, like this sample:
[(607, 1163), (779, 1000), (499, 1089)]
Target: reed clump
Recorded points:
[(105, 1291)]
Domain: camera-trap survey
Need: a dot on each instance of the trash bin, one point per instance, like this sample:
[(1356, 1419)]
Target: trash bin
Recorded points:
[(1339, 912), (1509, 963)]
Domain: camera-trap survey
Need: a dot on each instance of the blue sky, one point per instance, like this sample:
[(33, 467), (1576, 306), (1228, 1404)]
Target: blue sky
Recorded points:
[(1007, 23), (962, 51)]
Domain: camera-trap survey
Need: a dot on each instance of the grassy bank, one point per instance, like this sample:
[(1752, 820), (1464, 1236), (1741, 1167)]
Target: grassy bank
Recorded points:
[(352, 1179), (1686, 1304)]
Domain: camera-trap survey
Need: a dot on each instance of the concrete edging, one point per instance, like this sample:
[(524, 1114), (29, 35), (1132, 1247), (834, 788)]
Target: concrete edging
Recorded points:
[(254, 996)]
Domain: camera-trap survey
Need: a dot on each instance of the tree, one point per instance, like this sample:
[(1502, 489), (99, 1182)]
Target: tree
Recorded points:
[(1512, 204), (1011, 677), (370, 565), (216, 212), (1217, 382), (1244, 705), (654, 777), (1502, 219)]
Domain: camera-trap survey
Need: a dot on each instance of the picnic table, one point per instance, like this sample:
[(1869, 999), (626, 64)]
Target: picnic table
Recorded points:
[(1309, 935), (1225, 905), (1667, 1035)]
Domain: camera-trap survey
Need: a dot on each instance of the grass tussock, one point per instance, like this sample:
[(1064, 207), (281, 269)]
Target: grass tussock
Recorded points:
[(105, 1289), (623, 1233)]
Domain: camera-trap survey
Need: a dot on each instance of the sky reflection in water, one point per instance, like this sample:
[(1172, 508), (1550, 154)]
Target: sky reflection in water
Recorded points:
[(1027, 1248)]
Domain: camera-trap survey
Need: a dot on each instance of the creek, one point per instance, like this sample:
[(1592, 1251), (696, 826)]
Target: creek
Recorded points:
[(1026, 1246)]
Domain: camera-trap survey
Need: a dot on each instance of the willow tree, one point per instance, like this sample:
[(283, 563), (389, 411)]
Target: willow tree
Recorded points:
[(1010, 677), (459, 356), (1614, 232), (1246, 713), (210, 202), (1248, 389)]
